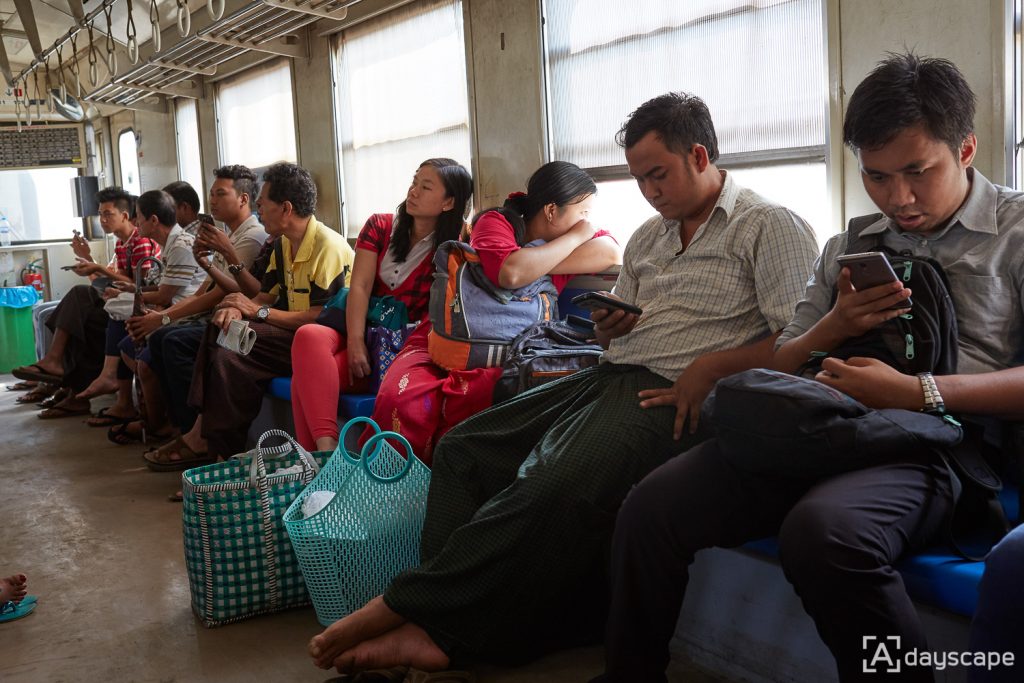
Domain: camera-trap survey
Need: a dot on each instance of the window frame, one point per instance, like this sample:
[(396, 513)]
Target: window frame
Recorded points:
[(120, 159), (203, 192)]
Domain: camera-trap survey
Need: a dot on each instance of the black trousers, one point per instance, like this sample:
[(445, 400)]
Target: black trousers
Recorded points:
[(173, 352), (838, 539), (80, 314)]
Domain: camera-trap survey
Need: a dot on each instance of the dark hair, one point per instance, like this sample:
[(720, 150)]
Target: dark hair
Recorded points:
[(243, 178), (159, 203), (903, 91), (458, 184), (680, 119), (183, 193), (558, 182), (291, 183), (119, 197)]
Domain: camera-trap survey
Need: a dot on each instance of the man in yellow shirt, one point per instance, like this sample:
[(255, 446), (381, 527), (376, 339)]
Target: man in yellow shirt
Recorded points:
[(309, 264)]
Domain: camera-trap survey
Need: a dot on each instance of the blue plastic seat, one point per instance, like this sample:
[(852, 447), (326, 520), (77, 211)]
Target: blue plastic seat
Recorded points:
[(349, 405), (935, 576)]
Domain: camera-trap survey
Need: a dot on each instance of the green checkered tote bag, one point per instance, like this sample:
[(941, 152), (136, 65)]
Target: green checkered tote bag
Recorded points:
[(369, 531), (240, 562)]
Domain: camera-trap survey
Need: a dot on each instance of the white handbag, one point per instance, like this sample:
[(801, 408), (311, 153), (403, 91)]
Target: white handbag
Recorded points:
[(121, 306)]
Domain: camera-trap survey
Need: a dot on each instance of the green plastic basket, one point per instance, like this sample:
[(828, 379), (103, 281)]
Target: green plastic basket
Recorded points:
[(370, 530)]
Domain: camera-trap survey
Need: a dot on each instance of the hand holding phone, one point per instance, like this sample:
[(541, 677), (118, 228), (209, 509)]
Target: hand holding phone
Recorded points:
[(871, 269), (592, 300), (206, 218)]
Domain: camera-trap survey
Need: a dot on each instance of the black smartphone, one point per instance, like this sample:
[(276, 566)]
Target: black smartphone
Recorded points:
[(68, 267), (870, 269), (206, 218), (592, 300)]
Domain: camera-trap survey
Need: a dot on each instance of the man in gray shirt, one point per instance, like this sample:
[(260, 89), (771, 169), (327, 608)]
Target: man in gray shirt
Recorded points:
[(911, 124)]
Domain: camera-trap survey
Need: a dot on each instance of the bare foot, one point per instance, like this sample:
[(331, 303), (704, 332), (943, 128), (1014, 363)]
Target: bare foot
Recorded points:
[(99, 387), (13, 588), (407, 645), (372, 620)]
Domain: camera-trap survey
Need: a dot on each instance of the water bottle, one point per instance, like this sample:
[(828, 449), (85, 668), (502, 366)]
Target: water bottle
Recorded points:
[(5, 231)]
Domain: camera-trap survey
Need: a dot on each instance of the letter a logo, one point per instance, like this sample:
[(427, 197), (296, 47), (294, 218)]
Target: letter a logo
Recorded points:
[(879, 650)]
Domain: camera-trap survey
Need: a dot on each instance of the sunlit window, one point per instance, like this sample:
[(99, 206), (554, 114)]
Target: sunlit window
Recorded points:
[(401, 100), (186, 133), (128, 153), (760, 65), (256, 116), (39, 203)]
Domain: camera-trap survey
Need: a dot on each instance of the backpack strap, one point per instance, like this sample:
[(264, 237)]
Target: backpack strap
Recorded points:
[(855, 243)]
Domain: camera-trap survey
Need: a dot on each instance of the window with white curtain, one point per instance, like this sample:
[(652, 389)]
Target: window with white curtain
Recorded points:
[(186, 135), (128, 155), (256, 116), (760, 65), (401, 100)]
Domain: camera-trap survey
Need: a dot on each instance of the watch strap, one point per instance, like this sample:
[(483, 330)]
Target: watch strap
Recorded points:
[(932, 398)]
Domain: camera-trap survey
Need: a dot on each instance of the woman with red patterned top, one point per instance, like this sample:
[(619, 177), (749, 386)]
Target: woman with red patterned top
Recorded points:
[(394, 256), (421, 400)]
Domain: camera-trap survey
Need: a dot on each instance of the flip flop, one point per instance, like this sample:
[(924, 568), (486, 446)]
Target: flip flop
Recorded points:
[(10, 610), (55, 398), (24, 385), (38, 374), (159, 460), (55, 412), (120, 435), (41, 391), (104, 419), (176, 497)]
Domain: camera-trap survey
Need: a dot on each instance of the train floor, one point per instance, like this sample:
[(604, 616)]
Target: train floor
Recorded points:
[(101, 545)]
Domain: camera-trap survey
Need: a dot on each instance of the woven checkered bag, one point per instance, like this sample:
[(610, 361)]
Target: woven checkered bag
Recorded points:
[(369, 531), (240, 562)]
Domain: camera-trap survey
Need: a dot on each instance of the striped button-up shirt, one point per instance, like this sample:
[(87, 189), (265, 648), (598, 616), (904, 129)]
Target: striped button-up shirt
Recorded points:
[(737, 281)]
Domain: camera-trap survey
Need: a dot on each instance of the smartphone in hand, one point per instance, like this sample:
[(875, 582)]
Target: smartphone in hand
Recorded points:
[(592, 300), (206, 218), (870, 269)]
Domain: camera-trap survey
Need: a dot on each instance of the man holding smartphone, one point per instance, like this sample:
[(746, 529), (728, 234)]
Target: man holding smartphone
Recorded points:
[(911, 125), (524, 494)]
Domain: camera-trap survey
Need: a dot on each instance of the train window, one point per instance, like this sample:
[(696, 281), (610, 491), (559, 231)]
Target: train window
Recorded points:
[(39, 203), (186, 135), (128, 155), (256, 116), (767, 91), (401, 99)]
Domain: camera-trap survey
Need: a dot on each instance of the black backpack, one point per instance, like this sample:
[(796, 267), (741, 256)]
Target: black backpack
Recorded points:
[(547, 351)]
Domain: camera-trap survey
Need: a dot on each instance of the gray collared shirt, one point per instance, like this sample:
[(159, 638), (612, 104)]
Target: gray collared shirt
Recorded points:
[(736, 282), (982, 251)]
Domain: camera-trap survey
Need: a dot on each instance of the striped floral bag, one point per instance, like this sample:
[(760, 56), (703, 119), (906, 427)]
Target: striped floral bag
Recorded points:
[(240, 562)]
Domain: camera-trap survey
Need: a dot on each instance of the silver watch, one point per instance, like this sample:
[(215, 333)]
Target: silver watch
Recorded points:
[(932, 398), (165, 320), (263, 313)]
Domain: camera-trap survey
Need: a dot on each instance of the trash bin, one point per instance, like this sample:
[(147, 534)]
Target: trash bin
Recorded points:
[(17, 338)]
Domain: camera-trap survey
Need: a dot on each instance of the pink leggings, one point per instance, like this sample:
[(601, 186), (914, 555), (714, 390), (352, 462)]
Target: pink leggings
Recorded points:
[(319, 367)]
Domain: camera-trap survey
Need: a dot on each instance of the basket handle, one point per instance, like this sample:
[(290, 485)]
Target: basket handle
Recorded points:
[(373, 442), (257, 467), (350, 457)]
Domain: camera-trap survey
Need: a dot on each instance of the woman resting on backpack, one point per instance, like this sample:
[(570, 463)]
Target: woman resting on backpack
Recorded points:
[(421, 400), (394, 256)]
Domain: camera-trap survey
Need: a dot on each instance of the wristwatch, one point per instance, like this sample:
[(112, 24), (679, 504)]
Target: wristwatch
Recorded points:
[(263, 313), (236, 268), (932, 398), (165, 320)]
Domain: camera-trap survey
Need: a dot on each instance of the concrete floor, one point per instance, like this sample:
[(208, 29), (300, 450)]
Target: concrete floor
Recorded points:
[(101, 545)]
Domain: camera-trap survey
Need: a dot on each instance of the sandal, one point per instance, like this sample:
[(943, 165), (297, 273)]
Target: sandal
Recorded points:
[(105, 419), (54, 412), (9, 611), (160, 460), (121, 435), (37, 394), (23, 385), (37, 373), (55, 398)]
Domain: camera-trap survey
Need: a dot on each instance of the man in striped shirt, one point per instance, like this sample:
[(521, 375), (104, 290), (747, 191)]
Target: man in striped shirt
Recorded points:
[(523, 496)]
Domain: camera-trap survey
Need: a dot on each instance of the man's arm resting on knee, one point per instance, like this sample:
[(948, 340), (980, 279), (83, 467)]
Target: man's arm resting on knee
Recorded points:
[(693, 386)]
